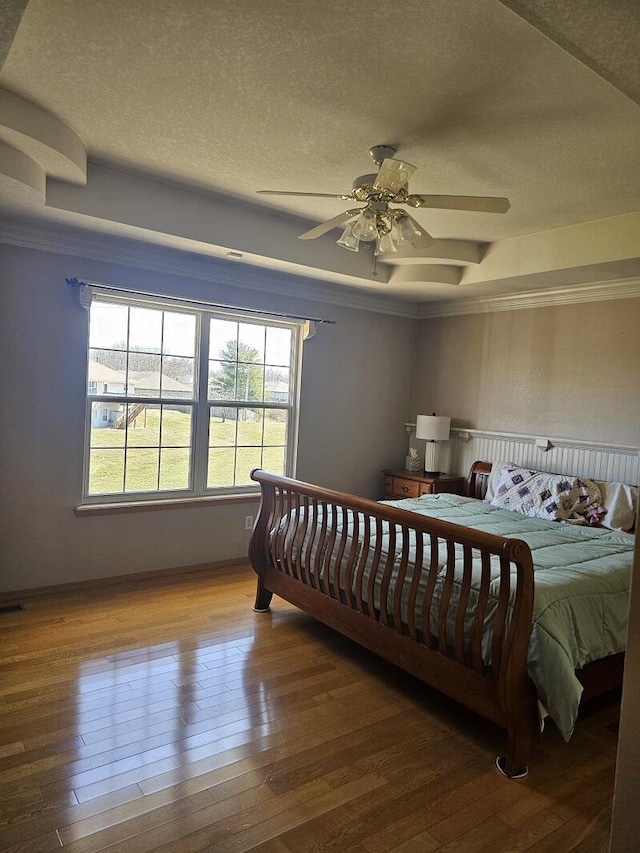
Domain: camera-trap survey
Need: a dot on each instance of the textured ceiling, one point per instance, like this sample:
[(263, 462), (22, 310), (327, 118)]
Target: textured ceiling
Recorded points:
[(532, 100)]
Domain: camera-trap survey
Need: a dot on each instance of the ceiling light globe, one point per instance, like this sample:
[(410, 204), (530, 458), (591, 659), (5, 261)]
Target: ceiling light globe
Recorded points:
[(407, 231), (348, 239), (365, 227), (386, 244)]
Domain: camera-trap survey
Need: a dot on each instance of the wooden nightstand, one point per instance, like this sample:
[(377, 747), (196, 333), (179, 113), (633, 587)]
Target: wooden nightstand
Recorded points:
[(399, 483)]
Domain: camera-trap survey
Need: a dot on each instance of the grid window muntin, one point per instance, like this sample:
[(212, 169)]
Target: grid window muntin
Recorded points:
[(119, 400)]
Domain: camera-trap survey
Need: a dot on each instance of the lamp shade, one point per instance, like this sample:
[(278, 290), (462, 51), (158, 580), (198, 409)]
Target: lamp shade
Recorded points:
[(433, 427)]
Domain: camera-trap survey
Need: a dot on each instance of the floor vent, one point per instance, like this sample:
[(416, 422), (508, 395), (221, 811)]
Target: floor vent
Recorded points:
[(10, 608)]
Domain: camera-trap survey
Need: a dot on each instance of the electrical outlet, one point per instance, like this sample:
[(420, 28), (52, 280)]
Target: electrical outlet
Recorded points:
[(248, 522)]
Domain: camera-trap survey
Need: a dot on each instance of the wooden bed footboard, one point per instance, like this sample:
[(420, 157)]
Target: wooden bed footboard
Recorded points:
[(412, 589)]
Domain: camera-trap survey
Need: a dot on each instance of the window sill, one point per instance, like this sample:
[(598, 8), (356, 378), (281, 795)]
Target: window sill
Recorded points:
[(123, 507)]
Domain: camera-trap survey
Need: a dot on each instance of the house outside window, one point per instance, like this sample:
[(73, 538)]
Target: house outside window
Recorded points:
[(192, 399)]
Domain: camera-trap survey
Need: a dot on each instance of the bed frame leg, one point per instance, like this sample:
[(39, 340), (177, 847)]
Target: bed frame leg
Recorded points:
[(522, 731), (263, 598)]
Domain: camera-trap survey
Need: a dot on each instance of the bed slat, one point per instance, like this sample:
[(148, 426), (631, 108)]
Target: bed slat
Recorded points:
[(427, 603), (415, 583), (480, 613), (383, 610), (399, 584), (358, 597), (461, 611)]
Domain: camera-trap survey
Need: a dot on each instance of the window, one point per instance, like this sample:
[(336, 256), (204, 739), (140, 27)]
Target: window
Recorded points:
[(192, 400)]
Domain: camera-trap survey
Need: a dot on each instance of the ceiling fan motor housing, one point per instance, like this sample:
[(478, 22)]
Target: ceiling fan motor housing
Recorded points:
[(381, 152)]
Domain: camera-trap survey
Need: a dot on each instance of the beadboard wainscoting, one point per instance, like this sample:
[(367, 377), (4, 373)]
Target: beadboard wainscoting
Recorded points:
[(600, 461)]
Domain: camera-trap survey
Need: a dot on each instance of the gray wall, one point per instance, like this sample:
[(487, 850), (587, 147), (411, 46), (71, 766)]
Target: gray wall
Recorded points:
[(570, 371), (356, 387)]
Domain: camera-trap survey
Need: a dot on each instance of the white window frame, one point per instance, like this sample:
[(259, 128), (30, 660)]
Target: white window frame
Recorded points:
[(201, 404)]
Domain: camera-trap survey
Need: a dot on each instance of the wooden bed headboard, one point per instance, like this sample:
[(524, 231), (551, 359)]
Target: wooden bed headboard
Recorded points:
[(477, 480)]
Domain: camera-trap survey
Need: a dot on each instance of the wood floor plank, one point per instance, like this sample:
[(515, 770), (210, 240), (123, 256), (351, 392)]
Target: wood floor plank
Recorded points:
[(166, 715), (272, 818)]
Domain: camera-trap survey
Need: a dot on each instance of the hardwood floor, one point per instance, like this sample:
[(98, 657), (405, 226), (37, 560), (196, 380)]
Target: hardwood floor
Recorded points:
[(167, 716)]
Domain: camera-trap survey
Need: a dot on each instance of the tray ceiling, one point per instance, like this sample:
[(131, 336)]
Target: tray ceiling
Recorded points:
[(160, 119)]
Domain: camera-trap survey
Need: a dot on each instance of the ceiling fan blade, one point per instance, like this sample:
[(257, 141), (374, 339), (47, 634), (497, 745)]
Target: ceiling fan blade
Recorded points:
[(483, 204), (319, 230), (313, 195), (393, 175)]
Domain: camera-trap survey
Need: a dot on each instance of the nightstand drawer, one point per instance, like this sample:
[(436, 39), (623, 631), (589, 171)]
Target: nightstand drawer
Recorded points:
[(405, 488), (400, 484)]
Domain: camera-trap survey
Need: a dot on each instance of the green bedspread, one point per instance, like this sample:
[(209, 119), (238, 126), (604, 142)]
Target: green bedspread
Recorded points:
[(582, 577)]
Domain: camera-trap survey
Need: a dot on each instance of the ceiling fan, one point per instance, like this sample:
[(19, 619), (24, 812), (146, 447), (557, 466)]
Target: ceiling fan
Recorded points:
[(389, 227)]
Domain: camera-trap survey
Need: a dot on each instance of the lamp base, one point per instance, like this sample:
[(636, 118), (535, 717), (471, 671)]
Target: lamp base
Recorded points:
[(431, 459)]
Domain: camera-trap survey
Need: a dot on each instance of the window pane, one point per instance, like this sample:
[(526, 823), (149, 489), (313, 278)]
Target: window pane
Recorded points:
[(250, 382), (143, 377), (276, 385), (273, 459), (278, 350), (221, 465), (106, 471), (222, 427), (107, 368), (222, 380), (104, 417), (174, 467), (176, 426), (142, 470), (142, 425), (145, 329), (223, 339), (251, 343), (275, 428), (177, 377), (179, 336), (250, 425), (247, 458), (108, 325)]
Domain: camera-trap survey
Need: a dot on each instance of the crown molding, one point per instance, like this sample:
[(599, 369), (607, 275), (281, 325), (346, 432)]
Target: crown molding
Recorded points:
[(601, 291), (189, 263)]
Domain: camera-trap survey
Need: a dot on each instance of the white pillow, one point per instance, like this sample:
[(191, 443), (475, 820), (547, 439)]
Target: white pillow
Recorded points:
[(620, 502)]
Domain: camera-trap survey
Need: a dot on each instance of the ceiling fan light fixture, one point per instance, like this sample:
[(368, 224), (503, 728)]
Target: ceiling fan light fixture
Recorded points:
[(387, 242), (365, 227), (407, 231), (348, 240)]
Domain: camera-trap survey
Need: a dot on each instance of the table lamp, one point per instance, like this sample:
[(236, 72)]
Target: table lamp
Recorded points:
[(433, 429)]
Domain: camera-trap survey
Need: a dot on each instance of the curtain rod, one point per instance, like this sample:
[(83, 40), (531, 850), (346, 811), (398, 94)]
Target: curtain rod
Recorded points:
[(201, 303)]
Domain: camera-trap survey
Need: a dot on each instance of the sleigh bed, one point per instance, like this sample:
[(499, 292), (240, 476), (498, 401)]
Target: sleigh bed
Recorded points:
[(430, 586)]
